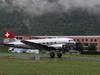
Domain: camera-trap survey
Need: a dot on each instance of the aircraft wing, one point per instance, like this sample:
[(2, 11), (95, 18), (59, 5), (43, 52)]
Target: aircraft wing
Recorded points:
[(37, 46)]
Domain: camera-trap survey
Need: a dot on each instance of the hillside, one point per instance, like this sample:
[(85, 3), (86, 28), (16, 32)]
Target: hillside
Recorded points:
[(75, 22)]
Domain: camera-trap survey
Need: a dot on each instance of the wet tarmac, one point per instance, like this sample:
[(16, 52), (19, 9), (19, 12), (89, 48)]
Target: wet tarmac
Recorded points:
[(63, 58), (46, 57)]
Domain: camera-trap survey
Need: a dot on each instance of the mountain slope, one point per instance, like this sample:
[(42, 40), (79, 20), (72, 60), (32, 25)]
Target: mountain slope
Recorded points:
[(75, 22)]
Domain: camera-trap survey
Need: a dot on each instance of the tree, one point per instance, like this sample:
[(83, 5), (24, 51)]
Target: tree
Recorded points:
[(91, 47), (79, 47)]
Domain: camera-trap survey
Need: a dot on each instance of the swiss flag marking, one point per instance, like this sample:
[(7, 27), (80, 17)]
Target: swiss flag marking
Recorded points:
[(8, 35)]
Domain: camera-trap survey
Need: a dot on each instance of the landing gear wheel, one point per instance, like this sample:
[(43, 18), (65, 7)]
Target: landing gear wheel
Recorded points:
[(59, 55), (52, 54)]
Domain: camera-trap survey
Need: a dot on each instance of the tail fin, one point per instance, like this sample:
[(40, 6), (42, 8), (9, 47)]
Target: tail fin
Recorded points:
[(9, 37)]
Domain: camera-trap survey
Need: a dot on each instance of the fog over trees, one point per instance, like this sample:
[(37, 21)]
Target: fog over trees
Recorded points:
[(50, 17)]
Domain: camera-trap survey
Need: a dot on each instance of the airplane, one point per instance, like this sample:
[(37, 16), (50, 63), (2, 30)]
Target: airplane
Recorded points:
[(53, 45)]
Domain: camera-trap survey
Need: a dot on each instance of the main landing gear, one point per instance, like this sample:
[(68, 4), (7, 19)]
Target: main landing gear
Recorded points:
[(59, 55), (53, 54)]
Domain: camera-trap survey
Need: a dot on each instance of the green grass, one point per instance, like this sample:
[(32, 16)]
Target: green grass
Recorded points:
[(12, 66), (3, 49)]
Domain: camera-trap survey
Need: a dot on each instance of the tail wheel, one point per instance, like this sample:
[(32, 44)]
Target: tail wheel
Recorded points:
[(59, 55), (52, 54)]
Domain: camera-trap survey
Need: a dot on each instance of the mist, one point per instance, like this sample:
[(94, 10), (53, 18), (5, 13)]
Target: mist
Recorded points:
[(39, 7)]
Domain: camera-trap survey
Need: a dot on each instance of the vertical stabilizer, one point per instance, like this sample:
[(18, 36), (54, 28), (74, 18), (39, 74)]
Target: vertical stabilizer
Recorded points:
[(9, 37)]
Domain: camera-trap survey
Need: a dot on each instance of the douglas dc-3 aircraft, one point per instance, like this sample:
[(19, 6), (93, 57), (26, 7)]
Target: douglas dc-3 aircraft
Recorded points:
[(53, 45)]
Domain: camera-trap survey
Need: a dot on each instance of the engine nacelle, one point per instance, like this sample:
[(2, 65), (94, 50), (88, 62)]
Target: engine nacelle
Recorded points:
[(69, 46)]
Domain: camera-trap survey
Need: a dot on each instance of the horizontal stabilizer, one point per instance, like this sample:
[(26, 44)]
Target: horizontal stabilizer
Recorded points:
[(9, 45)]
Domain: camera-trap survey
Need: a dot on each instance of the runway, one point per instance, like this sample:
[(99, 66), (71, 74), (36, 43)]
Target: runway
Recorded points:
[(46, 57), (63, 58)]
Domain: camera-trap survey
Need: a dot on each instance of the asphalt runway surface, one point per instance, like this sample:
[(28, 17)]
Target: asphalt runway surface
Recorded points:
[(46, 57), (63, 58)]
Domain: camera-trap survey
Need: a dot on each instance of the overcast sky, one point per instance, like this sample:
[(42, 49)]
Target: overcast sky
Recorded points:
[(38, 7)]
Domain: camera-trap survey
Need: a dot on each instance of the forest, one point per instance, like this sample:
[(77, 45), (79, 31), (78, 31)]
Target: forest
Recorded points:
[(74, 22)]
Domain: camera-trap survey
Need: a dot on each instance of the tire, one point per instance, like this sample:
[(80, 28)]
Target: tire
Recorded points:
[(52, 55), (59, 55)]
